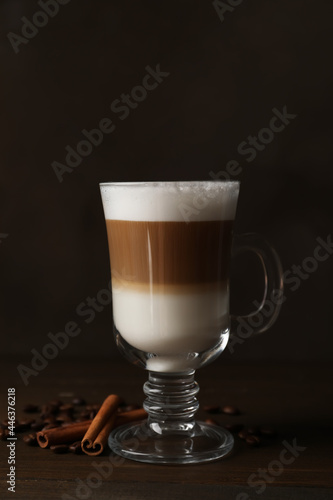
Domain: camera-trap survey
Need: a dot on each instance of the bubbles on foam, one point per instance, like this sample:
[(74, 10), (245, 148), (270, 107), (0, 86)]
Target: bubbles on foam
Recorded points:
[(170, 201)]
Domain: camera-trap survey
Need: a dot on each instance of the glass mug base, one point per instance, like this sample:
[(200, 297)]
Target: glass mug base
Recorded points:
[(203, 443), (171, 435)]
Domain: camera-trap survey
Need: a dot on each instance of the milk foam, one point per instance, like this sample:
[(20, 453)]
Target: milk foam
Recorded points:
[(170, 201)]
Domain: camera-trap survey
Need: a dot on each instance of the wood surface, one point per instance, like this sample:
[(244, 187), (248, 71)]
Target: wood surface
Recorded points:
[(295, 399)]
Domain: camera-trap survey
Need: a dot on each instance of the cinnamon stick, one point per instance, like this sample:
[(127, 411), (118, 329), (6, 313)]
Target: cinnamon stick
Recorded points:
[(130, 416), (61, 435), (96, 446), (96, 436)]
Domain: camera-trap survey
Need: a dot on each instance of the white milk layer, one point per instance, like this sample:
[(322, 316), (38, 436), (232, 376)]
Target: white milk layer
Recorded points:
[(170, 201), (167, 324)]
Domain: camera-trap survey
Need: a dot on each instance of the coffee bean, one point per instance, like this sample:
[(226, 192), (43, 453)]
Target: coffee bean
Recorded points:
[(211, 421), (84, 415), (37, 425), (68, 408), (64, 417), (234, 428), (30, 439), (212, 408), (252, 440), (78, 401), (82, 418), (253, 430), (55, 403), (51, 408), (76, 448), (93, 407), (243, 434), (4, 423), (267, 432), (50, 420), (26, 422), (48, 410), (230, 410), (4, 433), (30, 408), (59, 448)]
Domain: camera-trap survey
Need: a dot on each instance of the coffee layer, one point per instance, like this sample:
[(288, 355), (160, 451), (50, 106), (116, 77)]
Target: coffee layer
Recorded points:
[(168, 252)]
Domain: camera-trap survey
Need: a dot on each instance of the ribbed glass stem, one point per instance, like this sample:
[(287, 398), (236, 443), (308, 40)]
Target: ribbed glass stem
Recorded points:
[(171, 403)]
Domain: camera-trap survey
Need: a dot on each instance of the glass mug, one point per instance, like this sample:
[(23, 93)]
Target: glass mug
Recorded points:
[(170, 247)]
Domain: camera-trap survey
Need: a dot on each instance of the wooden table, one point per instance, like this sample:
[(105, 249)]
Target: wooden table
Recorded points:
[(296, 399)]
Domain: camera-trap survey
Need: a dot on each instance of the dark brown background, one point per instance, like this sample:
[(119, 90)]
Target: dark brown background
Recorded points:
[(225, 78)]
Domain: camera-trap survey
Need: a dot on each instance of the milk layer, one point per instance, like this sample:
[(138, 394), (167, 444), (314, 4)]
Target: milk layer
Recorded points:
[(171, 323)]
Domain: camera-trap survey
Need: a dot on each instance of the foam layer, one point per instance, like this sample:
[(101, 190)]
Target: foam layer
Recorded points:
[(171, 324), (170, 201)]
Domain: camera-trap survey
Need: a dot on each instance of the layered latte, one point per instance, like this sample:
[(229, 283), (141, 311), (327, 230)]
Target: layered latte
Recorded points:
[(170, 275)]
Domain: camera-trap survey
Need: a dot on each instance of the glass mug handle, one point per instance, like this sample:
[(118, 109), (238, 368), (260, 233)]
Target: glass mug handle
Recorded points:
[(263, 318)]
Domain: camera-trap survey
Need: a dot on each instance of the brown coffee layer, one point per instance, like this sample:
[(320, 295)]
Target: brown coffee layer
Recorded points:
[(217, 287), (168, 252)]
